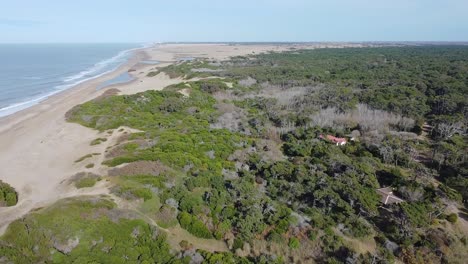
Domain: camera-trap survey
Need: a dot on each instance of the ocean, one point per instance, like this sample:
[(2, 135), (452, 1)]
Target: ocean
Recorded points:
[(29, 73)]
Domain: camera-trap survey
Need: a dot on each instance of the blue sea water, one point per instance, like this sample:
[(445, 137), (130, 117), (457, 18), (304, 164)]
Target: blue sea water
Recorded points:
[(29, 73)]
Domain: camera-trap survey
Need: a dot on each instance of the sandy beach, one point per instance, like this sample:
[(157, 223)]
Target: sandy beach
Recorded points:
[(38, 148)]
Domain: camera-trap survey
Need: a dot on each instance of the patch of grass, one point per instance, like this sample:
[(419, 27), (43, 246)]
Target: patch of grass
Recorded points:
[(131, 146), (294, 243), (87, 156), (86, 182), (83, 158), (150, 207), (138, 187), (152, 73), (89, 166), (98, 141)]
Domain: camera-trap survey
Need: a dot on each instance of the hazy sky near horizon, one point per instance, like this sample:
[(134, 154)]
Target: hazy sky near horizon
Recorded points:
[(24, 21)]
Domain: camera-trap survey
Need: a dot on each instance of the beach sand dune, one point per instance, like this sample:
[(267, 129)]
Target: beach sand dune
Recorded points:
[(38, 148)]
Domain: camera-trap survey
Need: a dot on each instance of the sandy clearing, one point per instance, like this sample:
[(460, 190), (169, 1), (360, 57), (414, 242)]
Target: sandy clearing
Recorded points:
[(176, 234), (141, 84)]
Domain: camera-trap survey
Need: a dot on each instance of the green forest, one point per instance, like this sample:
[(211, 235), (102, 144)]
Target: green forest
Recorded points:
[(241, 161)]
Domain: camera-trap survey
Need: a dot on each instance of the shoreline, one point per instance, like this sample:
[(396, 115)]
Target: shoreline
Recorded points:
[(139, 54), (66, 81)]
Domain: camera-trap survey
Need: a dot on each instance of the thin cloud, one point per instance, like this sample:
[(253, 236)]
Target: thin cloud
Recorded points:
[(19, 22)]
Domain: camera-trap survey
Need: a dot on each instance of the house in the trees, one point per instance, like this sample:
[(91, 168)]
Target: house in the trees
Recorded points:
[(387, 196), (338, 141)]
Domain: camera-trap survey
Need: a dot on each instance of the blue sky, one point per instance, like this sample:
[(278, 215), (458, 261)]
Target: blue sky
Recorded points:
[(23, 21)]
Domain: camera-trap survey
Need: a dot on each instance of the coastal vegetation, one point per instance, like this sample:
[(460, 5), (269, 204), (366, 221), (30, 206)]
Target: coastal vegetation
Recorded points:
[(83, 230), (8, 195), (86, 182), (98, 141), (85, 179), (87, 156), (187, 69), (239, 158)]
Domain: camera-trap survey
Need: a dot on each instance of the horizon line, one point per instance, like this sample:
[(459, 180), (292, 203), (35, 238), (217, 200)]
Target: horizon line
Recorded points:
[(464, 42)]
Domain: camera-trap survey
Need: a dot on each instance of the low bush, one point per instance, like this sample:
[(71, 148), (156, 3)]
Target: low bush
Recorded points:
[(84, 157), (193, 225), (98, 141), (86, 182), (452, 218), (294, 243), (8, 195)]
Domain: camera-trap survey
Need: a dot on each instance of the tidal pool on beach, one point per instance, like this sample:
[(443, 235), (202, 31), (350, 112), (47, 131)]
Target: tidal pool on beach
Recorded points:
[(151, 62), (122, 78)]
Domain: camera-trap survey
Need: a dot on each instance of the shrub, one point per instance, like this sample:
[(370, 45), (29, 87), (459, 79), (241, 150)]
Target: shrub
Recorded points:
[(84, 157), (212, 86), (282, 227), (133, 192), (294, 243), (152, 73), (86, 182), (199, 229), (8, 195), (184, 244), (312, 234), (417, 213), (144, 193), (193, 225), (358, 228), (185, 219), (275, 237), (452, 218), (98, 141), (451, 193), (238, 243), (11, 199)]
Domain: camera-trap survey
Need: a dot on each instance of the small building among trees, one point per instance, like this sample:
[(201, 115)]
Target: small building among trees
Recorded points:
[(338, 141)]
